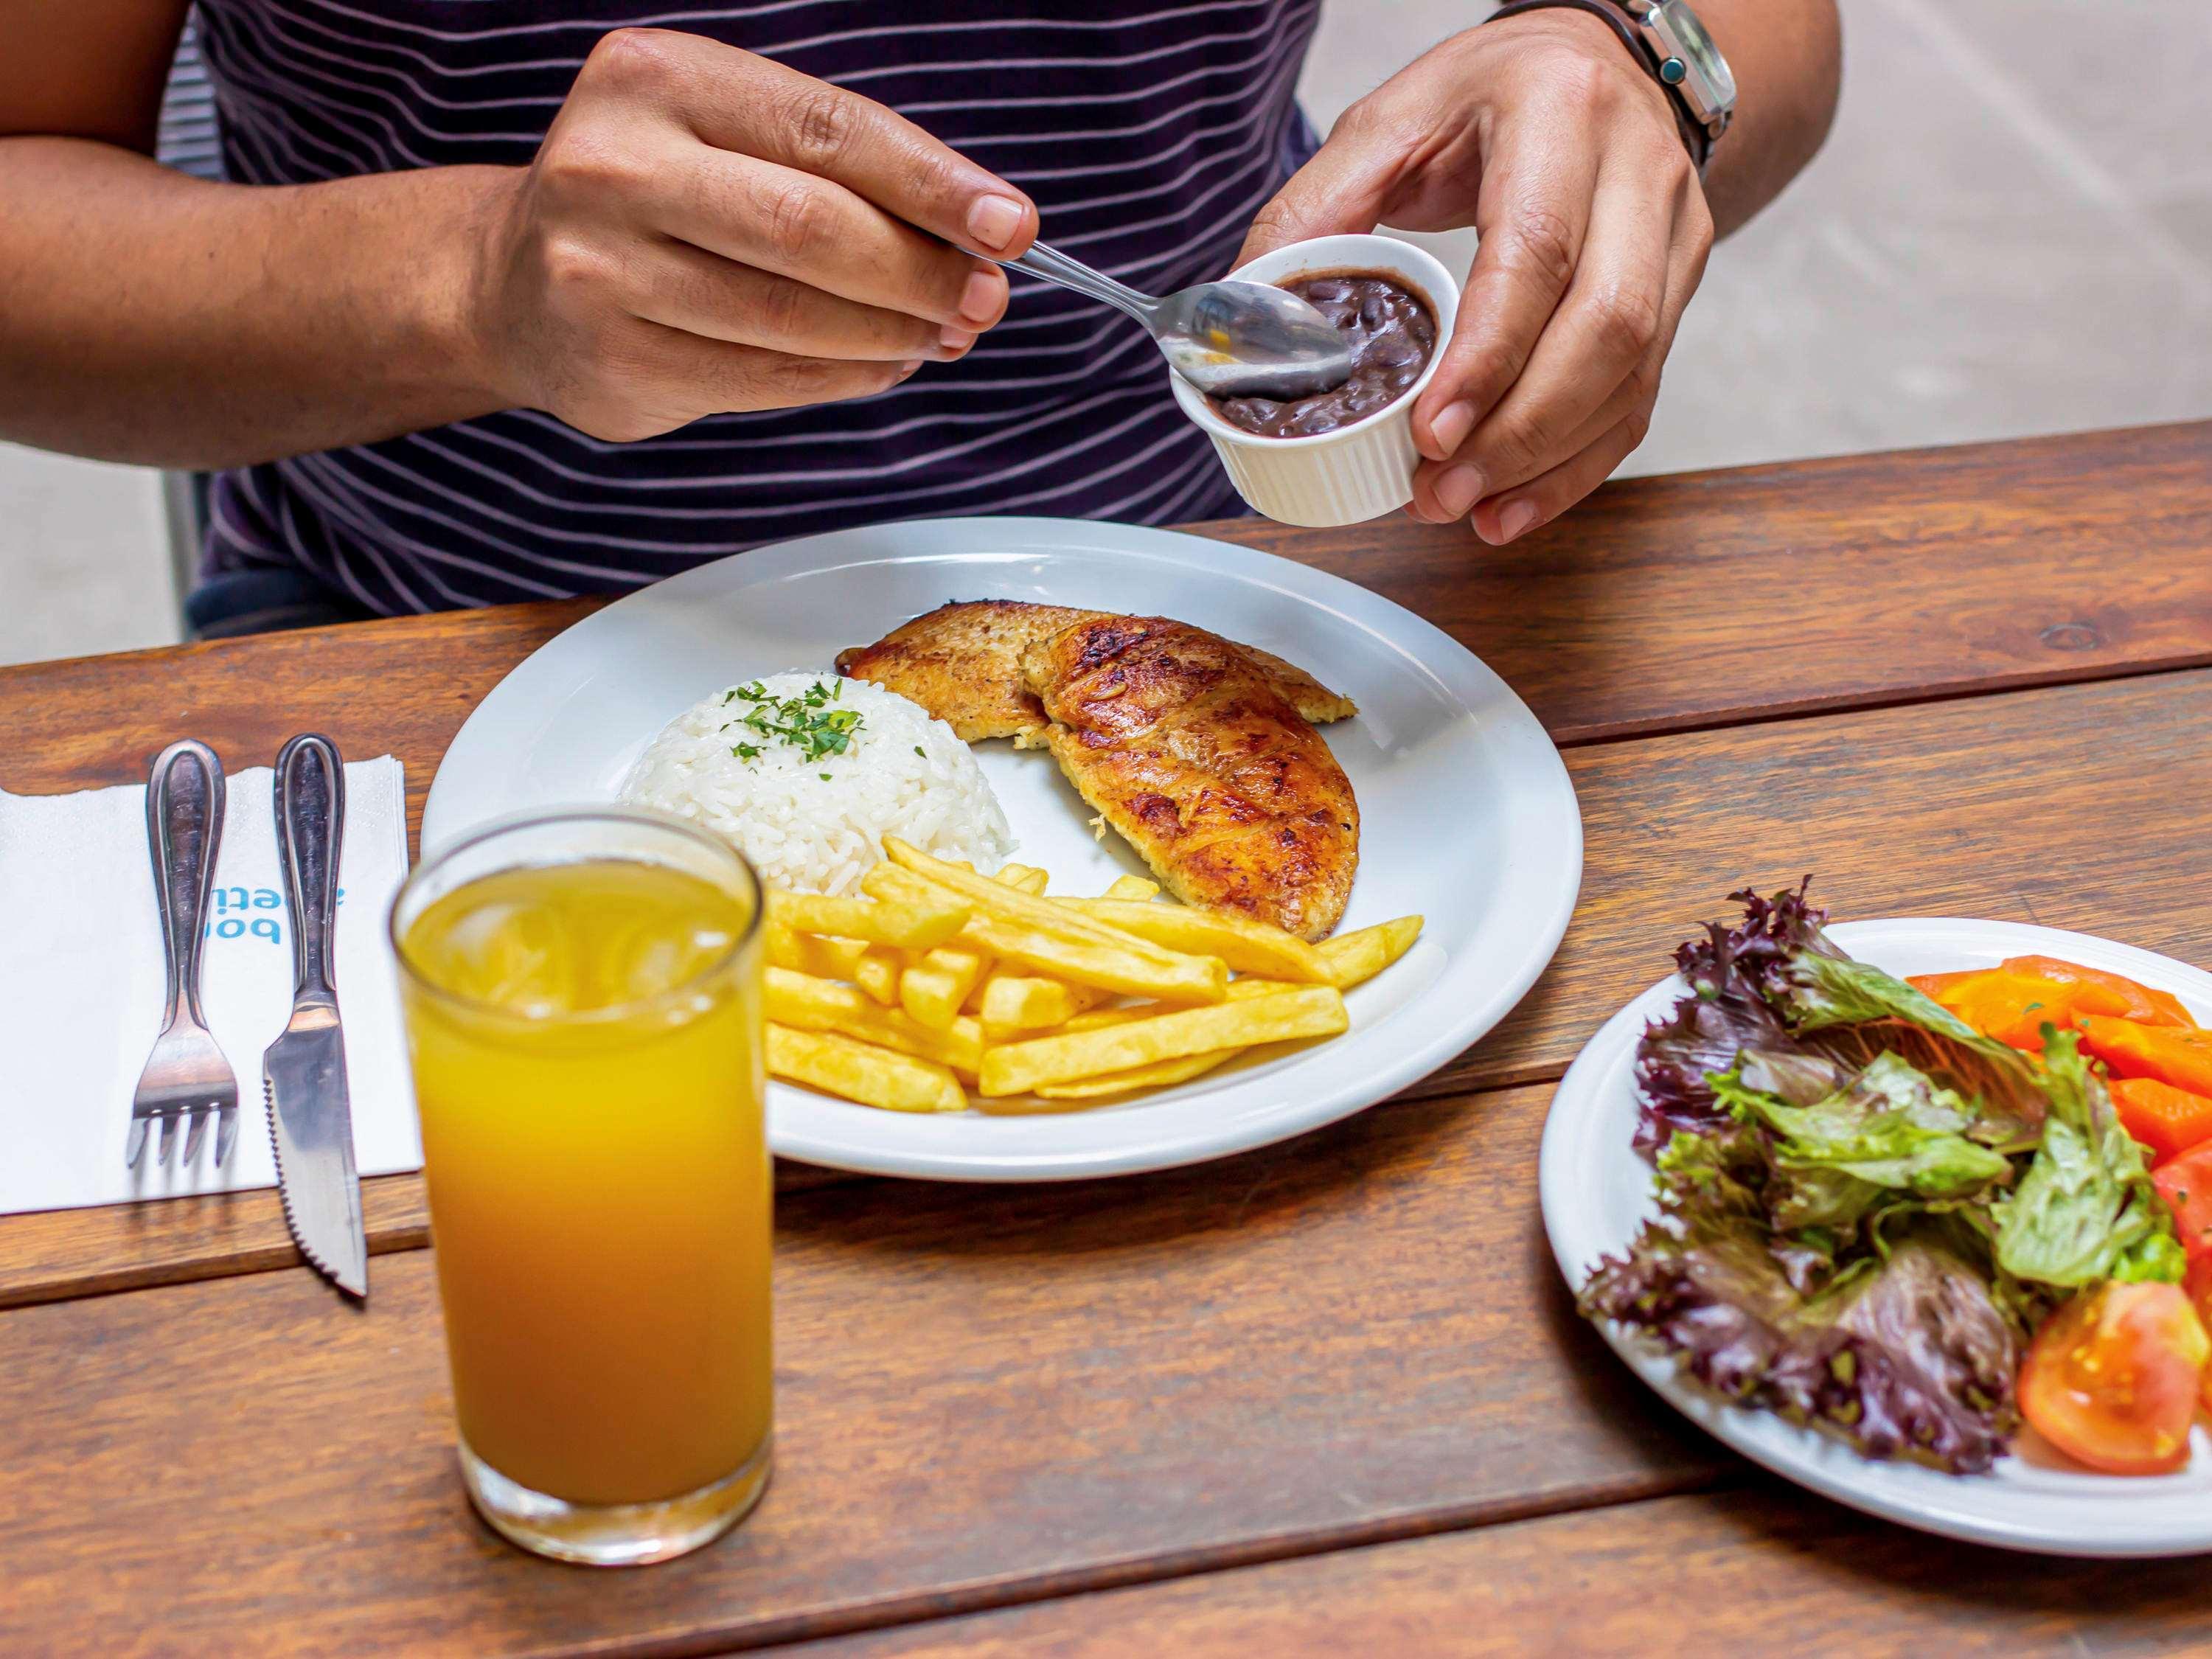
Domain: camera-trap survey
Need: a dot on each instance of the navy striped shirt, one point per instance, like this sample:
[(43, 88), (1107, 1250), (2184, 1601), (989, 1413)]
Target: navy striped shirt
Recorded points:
[(1148, 133)]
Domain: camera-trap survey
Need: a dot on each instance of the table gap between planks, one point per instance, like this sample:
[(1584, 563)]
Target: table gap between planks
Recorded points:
[(1971, 681)]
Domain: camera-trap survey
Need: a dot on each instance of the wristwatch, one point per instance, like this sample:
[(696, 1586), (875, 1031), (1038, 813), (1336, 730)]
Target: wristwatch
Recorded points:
[(1670, 41)]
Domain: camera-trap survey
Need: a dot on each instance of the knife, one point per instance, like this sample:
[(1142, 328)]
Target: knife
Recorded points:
[(303, 1075)]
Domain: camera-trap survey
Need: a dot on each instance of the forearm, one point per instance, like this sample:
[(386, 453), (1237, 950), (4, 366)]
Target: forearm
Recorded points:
[(146, 316), (1788, 59)]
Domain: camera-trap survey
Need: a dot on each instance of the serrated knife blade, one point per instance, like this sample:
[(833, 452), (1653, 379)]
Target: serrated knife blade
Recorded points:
[(303, 1075), (310, 1125)]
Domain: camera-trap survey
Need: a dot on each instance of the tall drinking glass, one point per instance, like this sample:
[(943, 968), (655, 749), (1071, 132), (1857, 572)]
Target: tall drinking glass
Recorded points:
[(582, 992)]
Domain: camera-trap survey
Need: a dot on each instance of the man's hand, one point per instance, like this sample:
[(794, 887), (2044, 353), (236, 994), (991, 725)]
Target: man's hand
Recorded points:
[(1543, 133), (705, 230)]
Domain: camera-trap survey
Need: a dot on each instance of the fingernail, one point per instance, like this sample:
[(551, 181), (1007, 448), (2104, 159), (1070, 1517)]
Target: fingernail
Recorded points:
[(955, 339), (979, 301), (907, 368), (994, 220), (1512, 520), (1451, 428), (1458, 488)]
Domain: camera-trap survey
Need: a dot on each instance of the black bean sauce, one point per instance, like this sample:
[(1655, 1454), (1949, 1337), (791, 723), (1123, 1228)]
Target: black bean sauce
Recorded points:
[(1396, 333)]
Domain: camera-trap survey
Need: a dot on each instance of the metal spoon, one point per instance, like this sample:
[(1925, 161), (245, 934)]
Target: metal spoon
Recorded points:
[(1228, 339)]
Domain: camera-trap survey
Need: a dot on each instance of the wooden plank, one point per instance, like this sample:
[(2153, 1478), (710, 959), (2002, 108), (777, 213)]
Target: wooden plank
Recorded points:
[(1659, 605), (402, 687), (52, 1254), (983, 1394), (1765, 1570), (2036, 805), (2075, 806), (1706, 598)]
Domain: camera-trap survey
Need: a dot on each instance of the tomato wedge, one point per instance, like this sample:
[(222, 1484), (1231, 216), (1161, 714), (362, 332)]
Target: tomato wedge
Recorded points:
[(2166, 1120), (2113, 1378), (2151, 1007), (2175, 1054), (2186, 1184), (2199, 1286)]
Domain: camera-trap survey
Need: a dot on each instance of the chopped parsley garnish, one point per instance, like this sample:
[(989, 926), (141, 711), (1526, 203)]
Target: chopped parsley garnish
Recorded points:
[(917, 749), (806, 722)]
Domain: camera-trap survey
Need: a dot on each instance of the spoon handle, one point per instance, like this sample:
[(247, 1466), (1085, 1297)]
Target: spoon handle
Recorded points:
[(1056, 267)]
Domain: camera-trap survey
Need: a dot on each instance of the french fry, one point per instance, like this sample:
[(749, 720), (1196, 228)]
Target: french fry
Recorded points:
[(1160, 1074), (1097, 963), (919, 925), (994, 899), (820, 1005), (812, 953), (1132, 888), (1240, 990), (1049, 938), (1247, 946), (1306, 1011), (1355, 958), (1018, 1002), (879, 973), (862, 1071), (889, 884), (932, 988), (1023, 878)]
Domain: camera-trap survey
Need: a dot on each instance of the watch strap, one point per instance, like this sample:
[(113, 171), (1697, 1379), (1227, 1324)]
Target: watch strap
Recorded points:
[(1695, 138)]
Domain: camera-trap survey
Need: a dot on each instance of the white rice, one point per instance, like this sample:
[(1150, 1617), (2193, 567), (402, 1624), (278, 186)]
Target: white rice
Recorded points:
[(815, 826)]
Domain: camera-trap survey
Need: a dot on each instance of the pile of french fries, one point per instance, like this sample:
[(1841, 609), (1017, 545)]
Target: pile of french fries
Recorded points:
[(940, 981)]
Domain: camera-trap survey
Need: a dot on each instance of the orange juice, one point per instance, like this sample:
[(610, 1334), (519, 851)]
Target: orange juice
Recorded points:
[(587, 1046)]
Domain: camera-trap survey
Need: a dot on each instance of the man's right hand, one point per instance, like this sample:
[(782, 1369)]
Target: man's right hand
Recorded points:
[(705, 230)]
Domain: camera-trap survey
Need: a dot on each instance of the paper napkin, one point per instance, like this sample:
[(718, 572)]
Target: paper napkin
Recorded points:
[(82, 979)]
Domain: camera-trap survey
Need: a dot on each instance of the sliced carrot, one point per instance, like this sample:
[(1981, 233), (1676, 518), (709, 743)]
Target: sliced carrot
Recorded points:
[(2143, 1003), (2178, 1056), (2166, 1120), (1934, 985), (2014, 1007)]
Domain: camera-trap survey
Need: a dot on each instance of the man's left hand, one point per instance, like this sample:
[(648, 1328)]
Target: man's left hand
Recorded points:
[(1544, 133)]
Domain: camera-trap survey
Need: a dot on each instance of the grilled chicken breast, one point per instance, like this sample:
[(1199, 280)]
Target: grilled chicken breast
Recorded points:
[(1181, 742), (962, 662)]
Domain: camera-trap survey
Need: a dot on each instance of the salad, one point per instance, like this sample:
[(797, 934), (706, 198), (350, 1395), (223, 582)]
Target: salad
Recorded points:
[(1915, 1213)]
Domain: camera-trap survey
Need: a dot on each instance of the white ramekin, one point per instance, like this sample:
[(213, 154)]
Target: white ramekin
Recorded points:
[(1359, 472)]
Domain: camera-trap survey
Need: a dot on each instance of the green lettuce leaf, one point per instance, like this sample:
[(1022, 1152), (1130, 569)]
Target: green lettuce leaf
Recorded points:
[(2085, 1210), (1852, 1011), (1891, 1127)]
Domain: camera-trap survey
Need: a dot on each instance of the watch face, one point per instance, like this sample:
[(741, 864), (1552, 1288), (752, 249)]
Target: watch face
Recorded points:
[(1709, 77)]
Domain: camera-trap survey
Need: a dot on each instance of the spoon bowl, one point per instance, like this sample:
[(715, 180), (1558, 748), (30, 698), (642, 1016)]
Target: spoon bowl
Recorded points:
[(1228, 339)]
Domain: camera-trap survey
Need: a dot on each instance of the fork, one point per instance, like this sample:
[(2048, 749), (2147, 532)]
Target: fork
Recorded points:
[(187, 1075)]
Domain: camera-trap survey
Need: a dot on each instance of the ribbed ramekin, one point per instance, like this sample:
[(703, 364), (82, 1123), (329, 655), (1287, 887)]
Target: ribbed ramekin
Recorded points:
[(1359, 472)]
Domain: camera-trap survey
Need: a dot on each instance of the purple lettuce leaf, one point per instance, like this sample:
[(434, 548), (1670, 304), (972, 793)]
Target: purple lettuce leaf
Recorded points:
[(1726, 1016), (1905, 1355)]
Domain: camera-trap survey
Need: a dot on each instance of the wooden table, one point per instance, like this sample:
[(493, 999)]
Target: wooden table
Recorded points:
[(1330, 1396)]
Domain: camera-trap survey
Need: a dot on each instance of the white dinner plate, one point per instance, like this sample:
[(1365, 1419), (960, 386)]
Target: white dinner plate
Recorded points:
[(1597, 1192), (1467, 816)]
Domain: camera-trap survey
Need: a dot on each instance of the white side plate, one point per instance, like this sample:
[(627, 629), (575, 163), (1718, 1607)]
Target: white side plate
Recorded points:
[(1467, 816), (1597, 1192)]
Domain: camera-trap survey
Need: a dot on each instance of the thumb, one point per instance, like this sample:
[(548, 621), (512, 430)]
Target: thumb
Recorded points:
[(1342, 188)]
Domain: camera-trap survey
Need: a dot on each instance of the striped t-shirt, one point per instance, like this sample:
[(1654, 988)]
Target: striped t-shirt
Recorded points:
[(1148, 132)]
